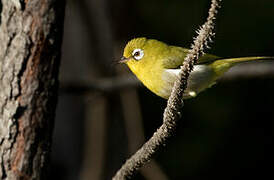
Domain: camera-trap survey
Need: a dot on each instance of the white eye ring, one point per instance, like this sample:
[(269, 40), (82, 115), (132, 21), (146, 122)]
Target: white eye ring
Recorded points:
[(138, 54)]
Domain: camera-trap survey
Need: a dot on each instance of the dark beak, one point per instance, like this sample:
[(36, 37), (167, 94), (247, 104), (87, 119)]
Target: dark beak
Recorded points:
[(123, 60)]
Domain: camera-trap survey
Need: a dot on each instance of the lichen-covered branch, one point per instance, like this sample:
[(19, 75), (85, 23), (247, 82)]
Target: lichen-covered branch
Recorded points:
[(172, 112), (30, 40)]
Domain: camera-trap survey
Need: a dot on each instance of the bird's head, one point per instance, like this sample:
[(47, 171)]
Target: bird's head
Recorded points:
[(141, 53), (134, 51)]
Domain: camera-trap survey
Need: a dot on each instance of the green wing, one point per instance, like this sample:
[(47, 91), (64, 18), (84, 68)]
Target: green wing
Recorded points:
[(176, 55)]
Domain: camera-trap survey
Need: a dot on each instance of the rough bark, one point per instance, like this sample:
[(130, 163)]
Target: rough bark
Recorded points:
[(30, 40)]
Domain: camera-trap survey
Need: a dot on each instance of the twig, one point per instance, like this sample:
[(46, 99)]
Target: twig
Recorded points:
[(102, 85), (240, 72), (174, 104)]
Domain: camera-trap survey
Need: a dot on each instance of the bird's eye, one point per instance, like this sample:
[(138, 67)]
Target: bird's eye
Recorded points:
[(138, 54)]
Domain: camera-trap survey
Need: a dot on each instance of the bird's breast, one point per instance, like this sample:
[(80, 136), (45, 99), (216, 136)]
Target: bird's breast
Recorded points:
[(150, 77)]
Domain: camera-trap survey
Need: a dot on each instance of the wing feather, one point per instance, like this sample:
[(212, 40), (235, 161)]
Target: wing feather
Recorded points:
[(176, 55)]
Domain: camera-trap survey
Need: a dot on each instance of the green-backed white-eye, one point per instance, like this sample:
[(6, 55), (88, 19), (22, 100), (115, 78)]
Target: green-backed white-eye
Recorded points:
[(157, 65)]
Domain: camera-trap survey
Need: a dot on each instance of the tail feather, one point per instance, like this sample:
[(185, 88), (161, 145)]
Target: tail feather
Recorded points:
[(222, 65), (244, 59)]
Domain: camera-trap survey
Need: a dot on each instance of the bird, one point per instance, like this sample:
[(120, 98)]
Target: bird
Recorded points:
[(157, 65)]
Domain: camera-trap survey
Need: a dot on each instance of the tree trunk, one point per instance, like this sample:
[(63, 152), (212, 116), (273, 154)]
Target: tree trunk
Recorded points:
[(30, 40)]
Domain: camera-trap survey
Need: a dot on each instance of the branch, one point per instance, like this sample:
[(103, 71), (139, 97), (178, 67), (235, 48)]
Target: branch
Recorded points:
[(244, 71), (102, 85), (174, 104)]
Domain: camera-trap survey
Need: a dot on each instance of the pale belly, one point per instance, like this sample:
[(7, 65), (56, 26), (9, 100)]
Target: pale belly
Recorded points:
[(201, 78)]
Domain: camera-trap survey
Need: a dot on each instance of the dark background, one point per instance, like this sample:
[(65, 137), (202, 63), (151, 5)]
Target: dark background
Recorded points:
[(226, 132)]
